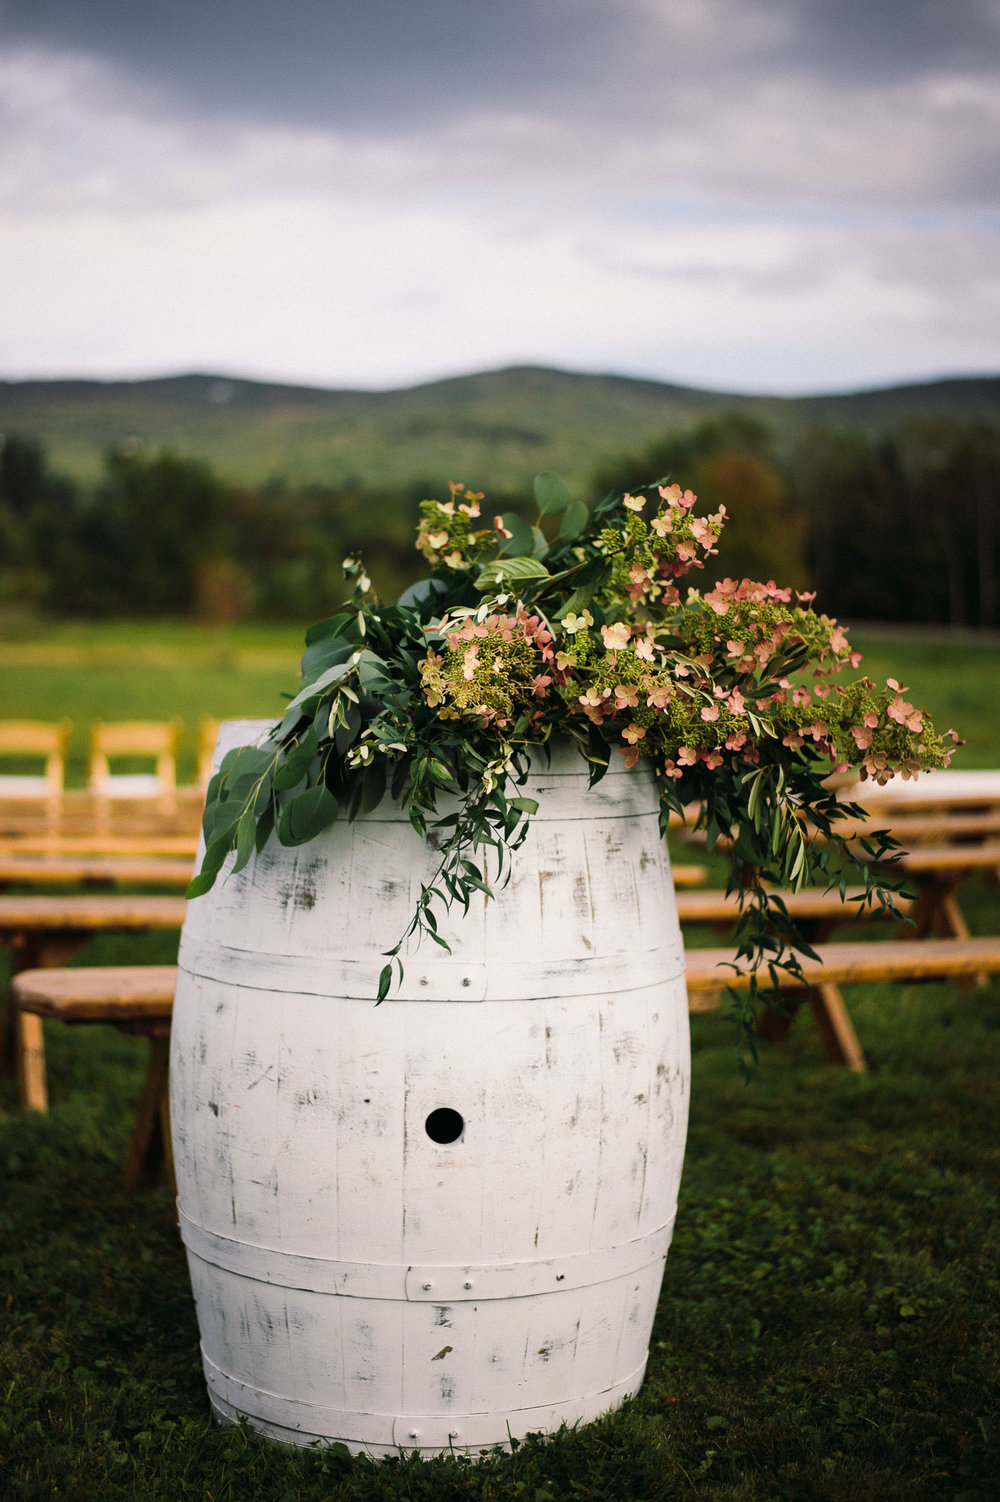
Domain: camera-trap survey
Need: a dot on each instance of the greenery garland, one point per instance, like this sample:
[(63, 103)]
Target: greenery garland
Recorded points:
[(576, 626)]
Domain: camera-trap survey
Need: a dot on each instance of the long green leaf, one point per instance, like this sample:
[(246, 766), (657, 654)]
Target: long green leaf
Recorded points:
[(510, 571)]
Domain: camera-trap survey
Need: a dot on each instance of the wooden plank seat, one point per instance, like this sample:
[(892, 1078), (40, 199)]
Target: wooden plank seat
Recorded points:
[(839, 964), (940, 827), (80, 812), (96, 843), (816, 914), (95, 870), (937, 872), (44, 932), (816, 910), (951, 789), (140, 998)]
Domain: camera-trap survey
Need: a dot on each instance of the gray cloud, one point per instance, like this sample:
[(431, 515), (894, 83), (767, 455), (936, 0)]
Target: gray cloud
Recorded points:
[(380, 63), (373, 65)]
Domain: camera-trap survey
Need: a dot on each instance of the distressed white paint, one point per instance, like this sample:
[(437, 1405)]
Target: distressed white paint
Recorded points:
[(357, 1281)]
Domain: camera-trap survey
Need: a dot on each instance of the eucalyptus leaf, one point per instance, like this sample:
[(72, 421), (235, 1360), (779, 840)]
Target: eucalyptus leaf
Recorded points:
[(325, 653), (246, 839), (551, 493), (421, 591), (252, 760), (594, 573), (332, 626), (373, 787), (575, 519), (522, 538), (307, 815), (215, 854), (293, 768)]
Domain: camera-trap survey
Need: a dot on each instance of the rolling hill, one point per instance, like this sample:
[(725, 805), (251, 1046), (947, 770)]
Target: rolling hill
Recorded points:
[(496, 428)]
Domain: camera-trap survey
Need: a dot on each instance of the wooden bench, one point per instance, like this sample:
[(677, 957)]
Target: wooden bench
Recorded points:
[(139, 998), (841, 964), (44, 932), (95, 870), (938, 827), (719, 909), (96, 843), (952, 789)]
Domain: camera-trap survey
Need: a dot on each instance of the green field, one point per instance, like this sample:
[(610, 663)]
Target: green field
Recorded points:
[(129, 670), (830, 1321)]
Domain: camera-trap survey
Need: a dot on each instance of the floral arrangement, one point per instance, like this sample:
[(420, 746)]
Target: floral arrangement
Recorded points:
[(577, 625)]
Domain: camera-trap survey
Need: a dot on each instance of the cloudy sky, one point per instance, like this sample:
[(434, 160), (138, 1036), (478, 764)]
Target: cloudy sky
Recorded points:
[(748, 195)]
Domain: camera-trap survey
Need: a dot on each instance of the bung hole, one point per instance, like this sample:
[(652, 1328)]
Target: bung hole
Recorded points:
[(444, 1125)]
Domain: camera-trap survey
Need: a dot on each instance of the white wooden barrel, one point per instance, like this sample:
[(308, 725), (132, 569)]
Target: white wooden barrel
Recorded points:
[(441, 1222)]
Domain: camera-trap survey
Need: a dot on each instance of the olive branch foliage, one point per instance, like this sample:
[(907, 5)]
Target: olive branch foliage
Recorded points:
[(374, 718)]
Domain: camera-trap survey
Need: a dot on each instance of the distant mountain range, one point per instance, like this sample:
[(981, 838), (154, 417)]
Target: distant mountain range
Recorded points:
[(494, 430)]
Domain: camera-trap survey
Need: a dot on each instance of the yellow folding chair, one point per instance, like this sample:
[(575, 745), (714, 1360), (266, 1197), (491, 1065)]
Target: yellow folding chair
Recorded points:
[(39, 741), (134, 740)]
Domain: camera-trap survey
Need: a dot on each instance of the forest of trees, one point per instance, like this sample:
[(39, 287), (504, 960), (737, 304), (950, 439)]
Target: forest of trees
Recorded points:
[(897, 527)]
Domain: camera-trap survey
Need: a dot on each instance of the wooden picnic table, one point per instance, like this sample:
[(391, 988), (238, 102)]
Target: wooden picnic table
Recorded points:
[(44, 932)]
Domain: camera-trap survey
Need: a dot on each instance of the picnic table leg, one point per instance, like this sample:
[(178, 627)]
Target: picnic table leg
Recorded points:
[(937, 911), (833, 1024), (836, 1029), (30, 1048), (774, 1025), (832, 1021), (22, 1041), (149, 1148)]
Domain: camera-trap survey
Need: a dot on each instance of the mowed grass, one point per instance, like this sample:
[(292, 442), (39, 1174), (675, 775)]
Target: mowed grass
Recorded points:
[(150, 670), (829, 1325), (154, 670)]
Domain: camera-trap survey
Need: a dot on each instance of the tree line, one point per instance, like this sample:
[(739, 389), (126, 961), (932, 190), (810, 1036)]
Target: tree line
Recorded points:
[(897, 526)]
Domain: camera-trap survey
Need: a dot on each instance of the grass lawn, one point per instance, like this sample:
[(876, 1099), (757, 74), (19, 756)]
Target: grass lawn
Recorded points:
[(830, 1323), (153, 670)]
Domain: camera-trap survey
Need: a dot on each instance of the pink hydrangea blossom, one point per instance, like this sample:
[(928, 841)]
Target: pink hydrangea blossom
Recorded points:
[(616, 637)]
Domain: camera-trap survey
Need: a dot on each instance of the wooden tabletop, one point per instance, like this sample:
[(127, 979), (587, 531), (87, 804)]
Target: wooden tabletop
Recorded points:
[(941, 789), (716, 906), (50, 870), (98, 842), (99, 992), (932, 859), (897, 959), (90, 912)]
